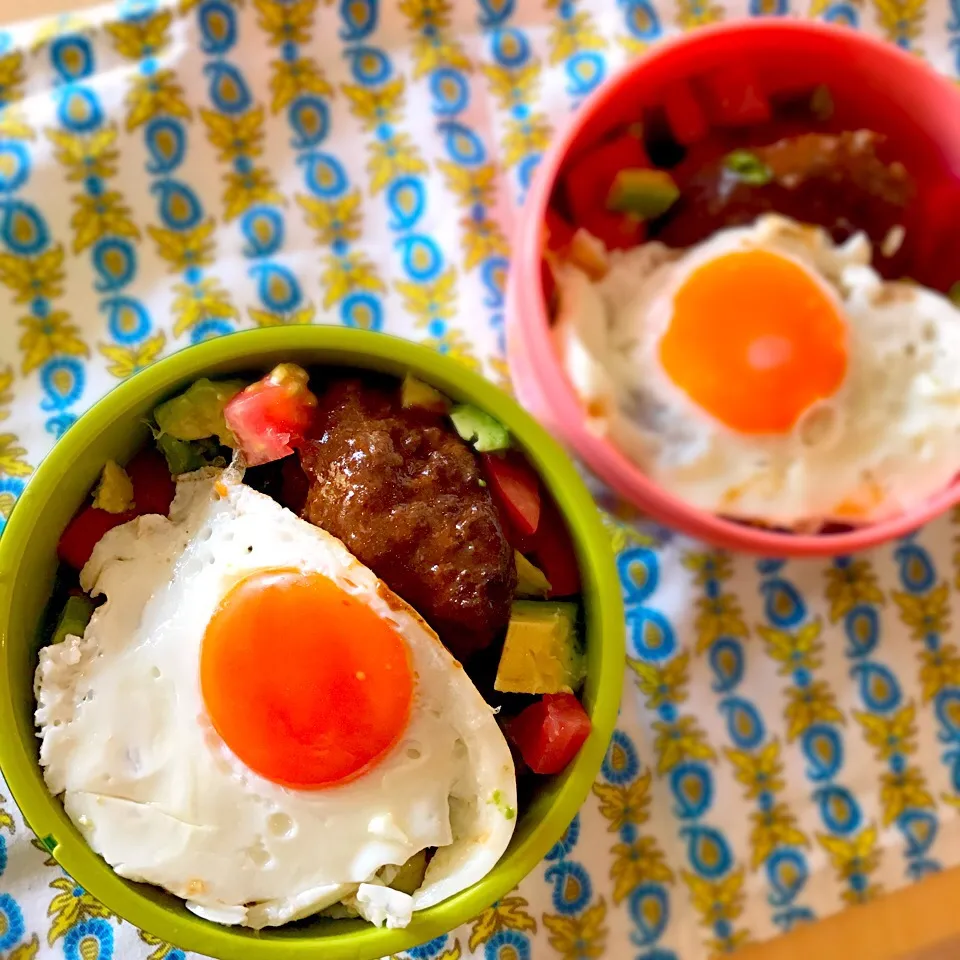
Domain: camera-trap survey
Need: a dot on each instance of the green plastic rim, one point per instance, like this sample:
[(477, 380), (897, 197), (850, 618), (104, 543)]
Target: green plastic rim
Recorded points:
[(114, 428)]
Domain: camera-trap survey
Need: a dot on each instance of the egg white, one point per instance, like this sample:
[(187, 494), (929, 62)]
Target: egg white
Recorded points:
[(887, 440), (155, 791)]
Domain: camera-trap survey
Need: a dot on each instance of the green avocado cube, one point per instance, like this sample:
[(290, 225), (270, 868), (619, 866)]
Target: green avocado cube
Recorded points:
[(543, 652), (647, 194), (531, 581), (114, 493), (417, 395), (197, 413), (479, 428), (74, 618), (409, 877)]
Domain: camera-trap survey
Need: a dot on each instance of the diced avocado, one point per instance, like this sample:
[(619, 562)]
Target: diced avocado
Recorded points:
[(197, 413), (645, 193), (530, 579), (415, 394), (479, 428), (821, 103), (953, 294), (114, 493), (74, 618), (748, 167), (409, 877), (185, 456), (542, 652)]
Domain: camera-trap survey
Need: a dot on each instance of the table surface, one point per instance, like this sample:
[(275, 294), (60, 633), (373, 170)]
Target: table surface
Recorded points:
[(920, 922)]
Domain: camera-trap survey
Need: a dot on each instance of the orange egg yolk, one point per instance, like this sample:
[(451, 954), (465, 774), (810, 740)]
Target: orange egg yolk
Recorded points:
[(754, 341), (303, 681)]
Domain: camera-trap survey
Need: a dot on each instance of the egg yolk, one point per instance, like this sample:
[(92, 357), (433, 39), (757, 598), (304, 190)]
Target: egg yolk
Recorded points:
[(754, 341), (302, 680)]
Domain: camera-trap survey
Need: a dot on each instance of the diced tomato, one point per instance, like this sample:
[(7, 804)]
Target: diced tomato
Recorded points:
[(272, 416), (735, 97), (294, 485), (588, 181), (153, 487), (617, 230), (553, 552), (550, 732), (559, 231), (83, 533), (517, 488), (685, 116)]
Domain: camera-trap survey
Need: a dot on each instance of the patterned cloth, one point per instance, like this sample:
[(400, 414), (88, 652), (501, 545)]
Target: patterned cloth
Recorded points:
[(790, 735)]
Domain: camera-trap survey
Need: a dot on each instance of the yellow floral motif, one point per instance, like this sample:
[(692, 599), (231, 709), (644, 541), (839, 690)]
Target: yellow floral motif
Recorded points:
[(72, 905), (510, 913), (662, 683), (6, 819), (696, 13), (186, 248), (161, 951), (333, 219), (625, 803), (890, 735), (901, 20), (500, 374), (26, 951), (37, 844), (53, 27), (290, 80), (139, 39), (45, 337), (243, 190), (903, 791), (708, 566), (481, 239), (432, 47), (849, 586), (452, 954), (235, 136), (472, 185), (572, 35), (678, 741), (264, 318), (11, 77), (125, 361), (205, 300), (430, 301), (31, 277), (579, 938), (927, 613), (720, 616), (524, 137), (632, 46), (100, 216), (376, 106), (794, 651), (513, 87), (12, 463), (774, 828), (623, 536), (151, 96), (760, 772), (639, 862), (86, 156), (855, 857), (392, 158), (6, 398), (346, 274), (286, 22), (456, 346), (716, 900), (806, 706), (940, 668), (13, 124)]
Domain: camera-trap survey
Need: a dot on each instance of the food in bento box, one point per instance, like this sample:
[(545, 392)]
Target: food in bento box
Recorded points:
[(719, 276), (245, 699)]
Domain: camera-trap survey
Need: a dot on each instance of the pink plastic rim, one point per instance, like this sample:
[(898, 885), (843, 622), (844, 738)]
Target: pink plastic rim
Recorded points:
[(538, 376)]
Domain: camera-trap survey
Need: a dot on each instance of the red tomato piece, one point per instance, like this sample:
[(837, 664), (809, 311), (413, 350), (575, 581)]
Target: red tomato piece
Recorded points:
[(685, 116), (549, 284), (153, 487), (550, 732), (83, 533), (554, 554), (517, 489), (617, 231), (272, 416), (735, 97), (588, 181), (559, 231)]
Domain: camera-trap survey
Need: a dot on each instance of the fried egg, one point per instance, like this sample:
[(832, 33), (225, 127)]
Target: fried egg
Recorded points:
[(768, 374), (256, 723)]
